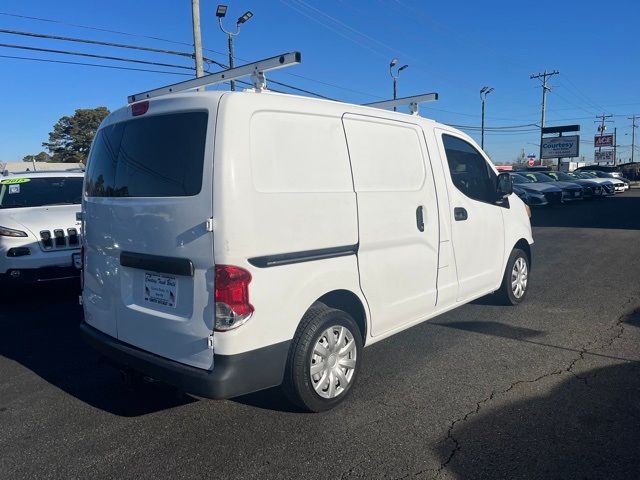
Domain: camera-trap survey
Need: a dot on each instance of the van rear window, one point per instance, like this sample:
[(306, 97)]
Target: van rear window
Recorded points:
[(156, 156)]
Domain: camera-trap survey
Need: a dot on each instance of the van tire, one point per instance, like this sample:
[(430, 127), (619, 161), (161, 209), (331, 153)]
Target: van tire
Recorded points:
[(517, 266), (312, 333)]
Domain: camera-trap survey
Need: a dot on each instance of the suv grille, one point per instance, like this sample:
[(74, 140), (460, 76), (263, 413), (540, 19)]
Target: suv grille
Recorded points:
[(60, 239)]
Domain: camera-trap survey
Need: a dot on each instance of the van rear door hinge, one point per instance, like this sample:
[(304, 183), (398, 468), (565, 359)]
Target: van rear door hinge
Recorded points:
[(210, 341), (209, 224)]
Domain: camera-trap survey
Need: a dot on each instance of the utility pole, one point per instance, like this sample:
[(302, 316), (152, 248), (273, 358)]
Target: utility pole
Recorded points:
[(197, 39), (545, 89), (633, 136), (602, 127), (615, 144), (484, 91)]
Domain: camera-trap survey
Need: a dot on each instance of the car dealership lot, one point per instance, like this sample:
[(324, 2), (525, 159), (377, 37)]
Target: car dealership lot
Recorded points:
[(548, 389)]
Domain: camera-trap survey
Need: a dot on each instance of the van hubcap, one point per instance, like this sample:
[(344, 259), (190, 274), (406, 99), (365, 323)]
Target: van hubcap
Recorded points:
[(333, 361), (519, 276)]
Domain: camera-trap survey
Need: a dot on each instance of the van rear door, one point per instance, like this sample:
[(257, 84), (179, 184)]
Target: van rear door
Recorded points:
[(149, 258)]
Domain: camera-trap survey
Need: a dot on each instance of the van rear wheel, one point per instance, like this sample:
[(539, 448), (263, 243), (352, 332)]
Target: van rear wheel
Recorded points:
[(515, 281), (324, 359)]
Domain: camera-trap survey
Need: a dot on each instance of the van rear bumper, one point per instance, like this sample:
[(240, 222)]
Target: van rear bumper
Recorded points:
[(232, 375)]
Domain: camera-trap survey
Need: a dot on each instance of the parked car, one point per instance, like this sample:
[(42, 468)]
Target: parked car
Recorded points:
[(590, 189), (570, 191), (618, 184), (39, 232), (614, 171), (535, 194), (607, 185), (309, 230)]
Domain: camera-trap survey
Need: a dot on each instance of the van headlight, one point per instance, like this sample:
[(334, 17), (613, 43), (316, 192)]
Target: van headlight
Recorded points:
[(10, 232)]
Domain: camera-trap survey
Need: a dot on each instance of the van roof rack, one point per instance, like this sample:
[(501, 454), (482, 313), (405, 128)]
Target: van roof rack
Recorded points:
[(255, 69), (412, 102)]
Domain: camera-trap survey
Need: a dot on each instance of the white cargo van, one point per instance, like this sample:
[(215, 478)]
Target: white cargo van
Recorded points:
[(236, 241)]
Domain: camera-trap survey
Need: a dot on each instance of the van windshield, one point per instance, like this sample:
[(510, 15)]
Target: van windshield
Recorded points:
[(155, 156), (26, 192)]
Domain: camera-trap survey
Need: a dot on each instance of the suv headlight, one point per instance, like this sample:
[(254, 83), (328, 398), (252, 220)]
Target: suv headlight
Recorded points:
[(10, 232)]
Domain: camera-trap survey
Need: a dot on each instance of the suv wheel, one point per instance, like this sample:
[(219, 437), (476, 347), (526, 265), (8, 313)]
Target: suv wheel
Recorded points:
[(324, 359)]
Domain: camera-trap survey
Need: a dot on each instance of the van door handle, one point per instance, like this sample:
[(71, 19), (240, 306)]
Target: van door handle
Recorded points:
[(460, 214), (420, 218)]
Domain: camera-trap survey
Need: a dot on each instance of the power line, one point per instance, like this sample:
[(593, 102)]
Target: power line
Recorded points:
[(119, 45), (96, 42), (116, 67), (40, 19), (91, 55)]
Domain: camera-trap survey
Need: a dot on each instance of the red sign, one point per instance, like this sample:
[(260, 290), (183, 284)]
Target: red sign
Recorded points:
[(532, 162), (603, 141)]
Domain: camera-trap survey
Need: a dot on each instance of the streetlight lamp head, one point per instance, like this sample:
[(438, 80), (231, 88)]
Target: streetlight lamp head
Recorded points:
[(491, 89), (221, 11), (244, 18), (402, 68), (393, 63)]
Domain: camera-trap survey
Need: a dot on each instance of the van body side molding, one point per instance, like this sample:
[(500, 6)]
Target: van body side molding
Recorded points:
[(305, 256), (156, 263)]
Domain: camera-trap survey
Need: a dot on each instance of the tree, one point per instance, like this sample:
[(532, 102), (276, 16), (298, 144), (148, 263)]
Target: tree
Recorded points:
[(71, 137), (41, 157)]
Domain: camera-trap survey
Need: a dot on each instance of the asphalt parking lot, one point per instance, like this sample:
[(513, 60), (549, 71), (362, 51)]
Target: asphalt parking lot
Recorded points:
[(549, 389)]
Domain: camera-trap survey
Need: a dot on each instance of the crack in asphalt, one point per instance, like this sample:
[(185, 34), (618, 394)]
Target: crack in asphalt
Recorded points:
[(586, 348)]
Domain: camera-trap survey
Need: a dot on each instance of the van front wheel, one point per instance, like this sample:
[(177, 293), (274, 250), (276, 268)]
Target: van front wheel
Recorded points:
[(324, 359), (515, 281)]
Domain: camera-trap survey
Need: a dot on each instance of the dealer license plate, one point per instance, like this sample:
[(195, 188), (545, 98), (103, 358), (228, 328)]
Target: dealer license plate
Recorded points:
[(160, 289)]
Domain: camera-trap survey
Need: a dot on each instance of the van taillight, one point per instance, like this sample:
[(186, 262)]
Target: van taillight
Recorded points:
[(139, 108), (232, 297)]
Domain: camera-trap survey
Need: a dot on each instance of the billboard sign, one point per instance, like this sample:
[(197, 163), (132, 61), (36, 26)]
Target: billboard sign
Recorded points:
[(604, 156), (561, 147), (603, 140)]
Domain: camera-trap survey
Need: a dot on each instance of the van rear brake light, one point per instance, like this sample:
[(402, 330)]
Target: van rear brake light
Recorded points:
[(139, 108), (232, 297)]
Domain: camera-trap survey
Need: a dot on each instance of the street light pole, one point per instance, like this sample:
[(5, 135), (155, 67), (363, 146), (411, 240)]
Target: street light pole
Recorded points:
[(484, 91), (221, 11), (395, 77)]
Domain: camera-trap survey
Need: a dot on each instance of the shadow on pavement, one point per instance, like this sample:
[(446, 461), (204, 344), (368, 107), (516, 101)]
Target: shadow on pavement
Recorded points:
[(270, 399), (579, 430), (39, 330), (619, 212), (497, 329)]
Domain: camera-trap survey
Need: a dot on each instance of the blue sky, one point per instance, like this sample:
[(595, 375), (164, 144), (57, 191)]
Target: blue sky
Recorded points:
[(453, 48)]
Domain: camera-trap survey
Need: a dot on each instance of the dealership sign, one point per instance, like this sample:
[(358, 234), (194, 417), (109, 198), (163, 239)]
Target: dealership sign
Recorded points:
[(561, 147), (604, 156), (603, 140)]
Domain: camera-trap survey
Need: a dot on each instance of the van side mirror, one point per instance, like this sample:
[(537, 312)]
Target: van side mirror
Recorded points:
[(504, 186)]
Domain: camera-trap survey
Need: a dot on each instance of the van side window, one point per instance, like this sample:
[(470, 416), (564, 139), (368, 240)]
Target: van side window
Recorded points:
[(470, 173)]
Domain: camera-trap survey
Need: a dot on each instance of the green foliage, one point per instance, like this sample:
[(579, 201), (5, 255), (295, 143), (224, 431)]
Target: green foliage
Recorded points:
[(40, 157), (71, 137)]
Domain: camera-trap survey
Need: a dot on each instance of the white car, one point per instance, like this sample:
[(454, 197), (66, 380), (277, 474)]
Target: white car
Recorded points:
[(235, 241), (39, 232), (618, 184)]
